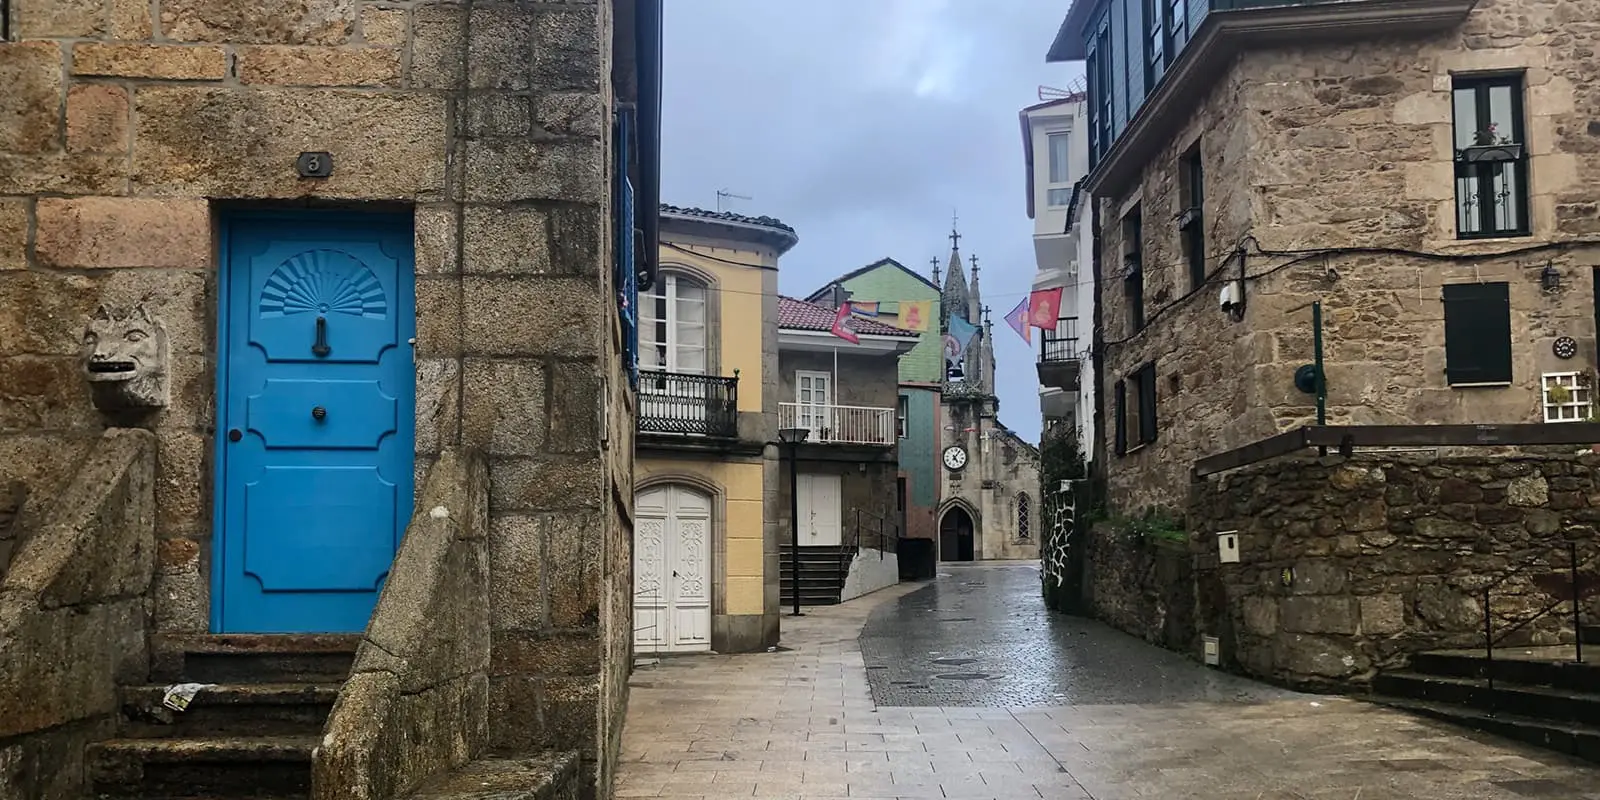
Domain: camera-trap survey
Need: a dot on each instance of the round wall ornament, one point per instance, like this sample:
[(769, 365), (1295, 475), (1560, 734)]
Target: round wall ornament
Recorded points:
[(1565, 347)]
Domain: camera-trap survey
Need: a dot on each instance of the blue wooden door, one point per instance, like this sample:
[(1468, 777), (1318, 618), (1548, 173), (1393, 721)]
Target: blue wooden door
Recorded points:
[(316, 390)]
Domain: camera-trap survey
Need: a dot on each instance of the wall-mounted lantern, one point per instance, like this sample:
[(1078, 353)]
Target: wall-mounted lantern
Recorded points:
[(1549, 278)]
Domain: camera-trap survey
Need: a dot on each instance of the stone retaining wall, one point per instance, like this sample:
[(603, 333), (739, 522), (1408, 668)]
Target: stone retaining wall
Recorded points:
[(1348, 568), (417, 701), (73, 610)]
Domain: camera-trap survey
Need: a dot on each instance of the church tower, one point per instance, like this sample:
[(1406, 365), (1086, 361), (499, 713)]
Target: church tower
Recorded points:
[(989, 485), (958, 300)]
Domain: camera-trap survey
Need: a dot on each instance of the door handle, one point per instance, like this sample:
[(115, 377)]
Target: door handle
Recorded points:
[(318, 413), (235, 435)]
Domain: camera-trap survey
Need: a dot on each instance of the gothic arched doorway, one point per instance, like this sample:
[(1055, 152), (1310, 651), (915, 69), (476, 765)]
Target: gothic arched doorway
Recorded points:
[(955, 535)]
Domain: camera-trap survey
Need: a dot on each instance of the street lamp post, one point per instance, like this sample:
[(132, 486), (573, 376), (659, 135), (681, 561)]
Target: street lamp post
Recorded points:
[(791, 438)]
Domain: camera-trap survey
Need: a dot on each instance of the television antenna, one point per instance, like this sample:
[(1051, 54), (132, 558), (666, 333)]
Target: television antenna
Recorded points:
[(724, 194), (1053, 93)]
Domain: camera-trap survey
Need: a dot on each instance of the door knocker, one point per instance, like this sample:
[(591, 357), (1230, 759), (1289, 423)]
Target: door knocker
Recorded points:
[(320, 348)]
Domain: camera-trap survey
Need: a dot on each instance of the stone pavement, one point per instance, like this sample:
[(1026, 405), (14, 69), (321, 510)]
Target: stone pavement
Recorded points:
[(1068, 710)]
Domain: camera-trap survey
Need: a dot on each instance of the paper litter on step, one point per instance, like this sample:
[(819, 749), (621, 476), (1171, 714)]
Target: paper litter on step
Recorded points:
[(178, 695)]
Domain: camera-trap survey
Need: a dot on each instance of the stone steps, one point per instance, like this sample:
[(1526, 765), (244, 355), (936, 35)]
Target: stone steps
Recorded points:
[(1538, 695), (263, 709), (1582, 741), (1561, 674), (210, 767), (822, 574), (1541, 702), (250, 735), (264, 658)]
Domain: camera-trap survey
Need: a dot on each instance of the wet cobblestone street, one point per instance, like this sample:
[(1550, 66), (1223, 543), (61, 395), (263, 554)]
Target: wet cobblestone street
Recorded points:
[(868, 700), (979, 636)]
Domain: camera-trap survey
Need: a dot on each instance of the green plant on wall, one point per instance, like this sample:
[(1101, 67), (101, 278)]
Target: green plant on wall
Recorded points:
[(1154, 525)]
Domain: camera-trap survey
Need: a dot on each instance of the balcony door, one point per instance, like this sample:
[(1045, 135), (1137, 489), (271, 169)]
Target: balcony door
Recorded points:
[(813, 394), (673, 359)]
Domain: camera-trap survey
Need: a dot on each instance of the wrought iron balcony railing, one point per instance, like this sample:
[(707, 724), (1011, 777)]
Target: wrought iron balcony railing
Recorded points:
[(1061, 344), (681, 404)]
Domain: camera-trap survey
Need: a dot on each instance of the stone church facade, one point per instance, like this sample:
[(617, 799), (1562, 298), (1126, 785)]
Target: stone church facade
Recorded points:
[(989, 505), (274, 276)]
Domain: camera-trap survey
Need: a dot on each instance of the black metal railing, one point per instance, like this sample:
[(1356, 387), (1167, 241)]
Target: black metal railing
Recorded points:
[(680, 404), (1060, 344), (1566, 586)]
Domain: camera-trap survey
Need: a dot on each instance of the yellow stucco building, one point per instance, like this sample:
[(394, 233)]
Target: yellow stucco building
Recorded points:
[(706, 527)]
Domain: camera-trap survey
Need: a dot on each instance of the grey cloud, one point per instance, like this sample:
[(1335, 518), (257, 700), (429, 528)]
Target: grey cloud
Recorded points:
[(791, 103)]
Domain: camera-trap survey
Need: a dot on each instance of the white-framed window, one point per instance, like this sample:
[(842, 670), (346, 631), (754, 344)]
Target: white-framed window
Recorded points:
[(901, 412), (672, 325), (1567, 397), (1059, 146)]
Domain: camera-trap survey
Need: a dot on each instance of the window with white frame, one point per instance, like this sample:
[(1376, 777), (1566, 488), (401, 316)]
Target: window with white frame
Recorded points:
[(1568, 397), (1060, 191), (672, 325)]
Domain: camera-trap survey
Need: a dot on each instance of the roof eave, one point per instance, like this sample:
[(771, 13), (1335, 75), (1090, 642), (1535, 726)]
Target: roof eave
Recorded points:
[(776, 238), (1027, 154), (1069, 44)]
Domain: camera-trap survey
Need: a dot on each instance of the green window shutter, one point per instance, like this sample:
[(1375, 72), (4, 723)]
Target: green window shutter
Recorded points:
[(1477, 333), (1147, 403), (1120, 410)]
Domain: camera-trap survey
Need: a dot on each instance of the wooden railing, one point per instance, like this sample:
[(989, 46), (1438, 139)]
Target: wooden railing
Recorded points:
[(831, 424)]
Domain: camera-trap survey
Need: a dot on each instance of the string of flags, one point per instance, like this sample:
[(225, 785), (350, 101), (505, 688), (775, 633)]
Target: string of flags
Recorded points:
[(913, 316), (1040, 309)]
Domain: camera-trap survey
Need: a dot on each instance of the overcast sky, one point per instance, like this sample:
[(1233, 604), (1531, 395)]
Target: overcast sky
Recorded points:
[(864, 124)]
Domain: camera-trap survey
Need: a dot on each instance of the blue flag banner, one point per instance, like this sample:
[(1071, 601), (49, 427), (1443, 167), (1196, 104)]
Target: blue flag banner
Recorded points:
[(963, 331)]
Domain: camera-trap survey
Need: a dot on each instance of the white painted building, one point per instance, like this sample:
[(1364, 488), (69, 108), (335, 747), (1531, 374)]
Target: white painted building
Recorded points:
[(1056, 152)]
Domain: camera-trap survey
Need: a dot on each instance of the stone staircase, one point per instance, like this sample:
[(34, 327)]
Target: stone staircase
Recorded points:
[(1540, 695), (823, 569), (249, 736)]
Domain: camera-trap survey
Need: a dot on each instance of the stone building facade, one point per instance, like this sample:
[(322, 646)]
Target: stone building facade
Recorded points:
[(989, 506), (898, 293), (1424, 171), (843, 395), (706, 535), (465, 159)]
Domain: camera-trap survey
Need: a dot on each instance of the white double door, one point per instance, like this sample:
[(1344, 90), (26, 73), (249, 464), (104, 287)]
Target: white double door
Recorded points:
[(672, 570), (821, 509), (814, 404)]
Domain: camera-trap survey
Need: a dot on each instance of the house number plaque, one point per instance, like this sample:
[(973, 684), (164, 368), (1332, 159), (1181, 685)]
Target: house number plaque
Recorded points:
[(314, 165)]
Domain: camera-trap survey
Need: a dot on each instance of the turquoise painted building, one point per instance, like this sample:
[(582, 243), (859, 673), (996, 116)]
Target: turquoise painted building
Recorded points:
[(889, 283)]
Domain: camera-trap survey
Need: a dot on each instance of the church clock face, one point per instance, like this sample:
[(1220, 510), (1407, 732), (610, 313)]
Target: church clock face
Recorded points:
[(955, 457)]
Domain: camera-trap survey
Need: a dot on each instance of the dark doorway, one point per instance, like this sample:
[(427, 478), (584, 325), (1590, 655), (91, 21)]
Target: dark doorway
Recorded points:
[(1595, 295), (955, 535), (900, 504)]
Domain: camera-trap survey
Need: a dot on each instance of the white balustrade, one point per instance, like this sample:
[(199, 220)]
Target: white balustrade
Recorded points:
[(831, 424)]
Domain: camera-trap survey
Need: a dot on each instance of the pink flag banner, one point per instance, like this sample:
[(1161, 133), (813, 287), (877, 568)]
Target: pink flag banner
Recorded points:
[(1018, 320)]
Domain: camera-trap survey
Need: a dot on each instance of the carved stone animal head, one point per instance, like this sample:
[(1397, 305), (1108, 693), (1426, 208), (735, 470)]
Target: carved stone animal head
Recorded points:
[(125, 360)]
